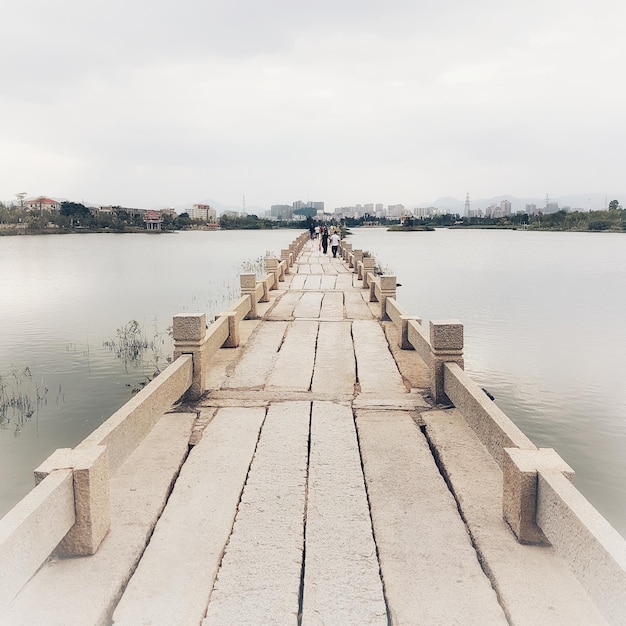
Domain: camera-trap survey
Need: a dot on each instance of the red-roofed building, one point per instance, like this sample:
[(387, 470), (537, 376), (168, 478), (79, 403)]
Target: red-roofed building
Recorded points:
[(153, 220), (42, 204)]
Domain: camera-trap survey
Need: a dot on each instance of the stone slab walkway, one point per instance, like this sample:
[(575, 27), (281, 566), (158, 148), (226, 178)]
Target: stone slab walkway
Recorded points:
[(341, 511)]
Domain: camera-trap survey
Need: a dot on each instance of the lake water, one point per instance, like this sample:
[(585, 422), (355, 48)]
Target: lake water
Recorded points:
[(63, 296), (543, 316), (544, 319)]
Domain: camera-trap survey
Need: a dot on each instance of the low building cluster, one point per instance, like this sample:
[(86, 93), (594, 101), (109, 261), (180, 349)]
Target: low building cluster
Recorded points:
[(202, 215), (45, 212)]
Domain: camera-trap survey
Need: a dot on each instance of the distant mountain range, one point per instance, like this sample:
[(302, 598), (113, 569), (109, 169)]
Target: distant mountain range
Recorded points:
[(583, 202)]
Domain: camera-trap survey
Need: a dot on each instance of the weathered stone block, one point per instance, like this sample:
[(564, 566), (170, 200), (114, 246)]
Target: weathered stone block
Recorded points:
[(267, 282), (372, 287), (368, 267), (189, 327), (272, 266), (90, 469), (519, 489), (446, 335), (247, 282), (285, 255), (403, 339), (388, 283), (233, 329)]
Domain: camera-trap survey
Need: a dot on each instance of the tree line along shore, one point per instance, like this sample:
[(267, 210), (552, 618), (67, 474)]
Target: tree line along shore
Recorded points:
[(76, 217)]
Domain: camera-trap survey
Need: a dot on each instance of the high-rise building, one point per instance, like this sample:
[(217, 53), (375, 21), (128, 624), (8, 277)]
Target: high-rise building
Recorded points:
[(203, 212), (396, 210), (281, 211)]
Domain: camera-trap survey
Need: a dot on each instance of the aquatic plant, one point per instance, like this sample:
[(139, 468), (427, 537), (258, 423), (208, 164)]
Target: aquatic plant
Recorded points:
[(383, 270), (254, 266), (20, 398), (129, 343), (257, 266), (133, 348)]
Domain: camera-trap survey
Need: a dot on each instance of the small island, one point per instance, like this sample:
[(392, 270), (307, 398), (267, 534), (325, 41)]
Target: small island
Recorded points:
[(409, 228)]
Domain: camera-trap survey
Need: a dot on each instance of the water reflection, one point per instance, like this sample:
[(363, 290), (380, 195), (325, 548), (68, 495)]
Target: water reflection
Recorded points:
[(542, 316), (65, 297)]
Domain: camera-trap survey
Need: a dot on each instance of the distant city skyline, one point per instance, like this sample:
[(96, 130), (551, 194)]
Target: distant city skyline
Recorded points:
[(581, 202)]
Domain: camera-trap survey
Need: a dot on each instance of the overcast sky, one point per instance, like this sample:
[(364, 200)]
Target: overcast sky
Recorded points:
[(152, 104)]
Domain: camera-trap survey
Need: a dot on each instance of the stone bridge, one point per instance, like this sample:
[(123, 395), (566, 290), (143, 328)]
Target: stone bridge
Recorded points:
[(329, 463)]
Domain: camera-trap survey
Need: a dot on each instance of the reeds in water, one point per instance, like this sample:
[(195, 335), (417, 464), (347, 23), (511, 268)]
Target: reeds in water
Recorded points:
[(20, 398)]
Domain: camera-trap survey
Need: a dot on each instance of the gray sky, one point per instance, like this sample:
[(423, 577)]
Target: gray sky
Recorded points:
[(154, 104)]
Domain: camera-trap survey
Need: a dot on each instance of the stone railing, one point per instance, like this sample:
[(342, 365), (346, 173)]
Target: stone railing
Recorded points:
[(382, 287), (192, 335), (68, 510), (539, 500)]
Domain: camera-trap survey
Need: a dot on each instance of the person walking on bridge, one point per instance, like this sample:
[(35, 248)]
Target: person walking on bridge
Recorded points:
[(325, 240), (334, 243)]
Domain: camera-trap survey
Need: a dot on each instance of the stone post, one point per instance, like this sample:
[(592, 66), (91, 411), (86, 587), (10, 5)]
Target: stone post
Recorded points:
[(369, 264), (90, 472), (387, 290), (189, 332), (519, 489), (234, 337), (272, 266), (346, 249), (446, 344), (266, 288), (357, 255), (403, 339), (284, 256), (247, 283)]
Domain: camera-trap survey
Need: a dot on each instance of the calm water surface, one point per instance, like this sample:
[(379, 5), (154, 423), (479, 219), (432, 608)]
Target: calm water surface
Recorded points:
[(543, 316), (63, 296), (545, 332)]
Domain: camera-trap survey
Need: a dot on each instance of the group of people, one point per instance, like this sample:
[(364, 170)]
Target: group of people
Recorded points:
[(322, 234)]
